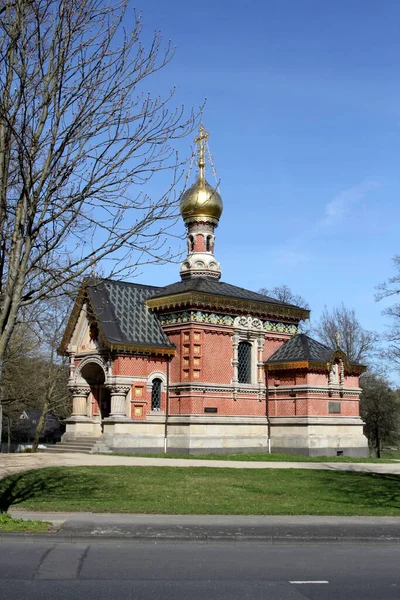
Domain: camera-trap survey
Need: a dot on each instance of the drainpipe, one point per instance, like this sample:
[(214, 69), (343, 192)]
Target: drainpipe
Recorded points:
[(267, 411), (166, 411)]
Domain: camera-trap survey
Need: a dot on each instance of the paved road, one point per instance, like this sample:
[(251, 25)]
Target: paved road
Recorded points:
[(216, 571), (15, 463)]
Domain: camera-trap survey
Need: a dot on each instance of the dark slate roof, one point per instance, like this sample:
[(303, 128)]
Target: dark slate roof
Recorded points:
[(302, 348), (208, 285), (123, 315)]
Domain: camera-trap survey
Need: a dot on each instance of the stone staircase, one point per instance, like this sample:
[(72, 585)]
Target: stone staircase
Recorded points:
[(84, 444)]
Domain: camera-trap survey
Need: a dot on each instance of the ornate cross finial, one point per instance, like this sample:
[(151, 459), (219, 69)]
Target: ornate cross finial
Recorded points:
[(201, 140), (337, 338), (93, 265)]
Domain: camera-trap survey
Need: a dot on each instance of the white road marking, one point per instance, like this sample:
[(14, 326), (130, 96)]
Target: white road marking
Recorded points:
[(300, 582)]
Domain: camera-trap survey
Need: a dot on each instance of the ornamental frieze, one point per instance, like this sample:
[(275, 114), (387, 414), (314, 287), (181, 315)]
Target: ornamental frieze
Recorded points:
[(223, 320)]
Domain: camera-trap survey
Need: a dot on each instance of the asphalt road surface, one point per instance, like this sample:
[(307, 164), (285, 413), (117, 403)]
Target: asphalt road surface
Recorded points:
[(133, 570)]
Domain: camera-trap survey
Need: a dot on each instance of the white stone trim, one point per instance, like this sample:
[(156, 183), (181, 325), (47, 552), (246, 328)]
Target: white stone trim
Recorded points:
[(316, 421), (249, 329), (221, 389), (156, 375), (93, 358), (316, 390)]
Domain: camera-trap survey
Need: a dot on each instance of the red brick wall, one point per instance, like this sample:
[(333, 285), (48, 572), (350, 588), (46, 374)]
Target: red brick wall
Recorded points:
[(196, 402)]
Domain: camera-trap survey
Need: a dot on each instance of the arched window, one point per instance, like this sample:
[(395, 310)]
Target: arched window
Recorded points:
[(156, 394), (191, 243), (208, 243), (244, 365)]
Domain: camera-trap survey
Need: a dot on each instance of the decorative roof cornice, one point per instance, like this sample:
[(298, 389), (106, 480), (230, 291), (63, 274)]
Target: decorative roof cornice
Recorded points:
[(137, 349), (315, 366), (198, 299)]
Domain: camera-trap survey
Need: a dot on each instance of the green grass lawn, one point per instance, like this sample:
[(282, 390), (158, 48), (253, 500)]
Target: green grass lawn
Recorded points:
[(273, 457), (10, 525), (390, 454), (173, 490)]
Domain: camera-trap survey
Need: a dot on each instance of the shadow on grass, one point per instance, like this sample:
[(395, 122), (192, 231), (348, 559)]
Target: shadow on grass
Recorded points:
[(38, 484), (375, 491)]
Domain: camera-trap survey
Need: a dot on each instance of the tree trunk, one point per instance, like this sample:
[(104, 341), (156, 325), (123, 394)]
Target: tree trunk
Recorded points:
[(45, 410), (39, 426), (8, 435), (378, 442)]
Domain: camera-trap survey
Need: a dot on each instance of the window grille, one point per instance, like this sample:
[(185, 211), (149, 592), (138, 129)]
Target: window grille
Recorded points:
[(156, 395), (244, 366)]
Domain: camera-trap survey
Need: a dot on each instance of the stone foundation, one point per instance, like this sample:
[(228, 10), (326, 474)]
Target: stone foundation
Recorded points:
[(319, 436), (198, 434), (81, 428)]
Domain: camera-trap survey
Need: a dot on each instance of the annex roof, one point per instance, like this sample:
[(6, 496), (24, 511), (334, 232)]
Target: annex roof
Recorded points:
[(301, 349), (122, 315)]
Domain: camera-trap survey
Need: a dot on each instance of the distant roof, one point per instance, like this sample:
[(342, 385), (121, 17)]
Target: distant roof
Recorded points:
[(34, 414), (123, 315), (303, 348)]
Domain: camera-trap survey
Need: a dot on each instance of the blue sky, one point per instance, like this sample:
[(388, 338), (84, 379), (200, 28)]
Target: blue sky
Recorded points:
[(303, 110)]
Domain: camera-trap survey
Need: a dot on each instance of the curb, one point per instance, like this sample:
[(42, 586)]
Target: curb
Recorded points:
[(167, 537)]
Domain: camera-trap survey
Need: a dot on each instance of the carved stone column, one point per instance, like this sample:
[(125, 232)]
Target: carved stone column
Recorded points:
[(79, 402), (235, 360), (118, 400)]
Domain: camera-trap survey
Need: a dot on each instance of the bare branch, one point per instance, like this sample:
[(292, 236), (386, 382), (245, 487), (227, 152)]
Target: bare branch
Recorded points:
[(79, 129)]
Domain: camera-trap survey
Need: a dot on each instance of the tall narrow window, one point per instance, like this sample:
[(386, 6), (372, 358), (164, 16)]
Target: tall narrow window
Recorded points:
[(244, 366), (208, 243), (156, 395)]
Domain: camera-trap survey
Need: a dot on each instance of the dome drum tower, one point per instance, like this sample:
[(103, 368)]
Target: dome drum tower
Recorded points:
[(201, 207)]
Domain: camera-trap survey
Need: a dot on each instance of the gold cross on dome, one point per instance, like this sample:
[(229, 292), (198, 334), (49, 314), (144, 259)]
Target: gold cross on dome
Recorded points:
[(201, 140)]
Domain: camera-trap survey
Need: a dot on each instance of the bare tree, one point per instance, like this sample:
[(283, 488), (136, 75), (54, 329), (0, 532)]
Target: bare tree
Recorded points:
[(78, 129), (389, 289), (380, 410), (285, 294), (34, 376), (55, 395), (358, 343)]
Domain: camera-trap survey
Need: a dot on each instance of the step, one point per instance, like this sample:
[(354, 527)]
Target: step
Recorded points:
[(64, 447), (58, 450), (82, 440), (77, 443), (74, 445)]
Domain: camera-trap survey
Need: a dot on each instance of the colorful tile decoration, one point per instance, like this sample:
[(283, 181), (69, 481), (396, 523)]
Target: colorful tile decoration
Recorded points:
[(227, 320)]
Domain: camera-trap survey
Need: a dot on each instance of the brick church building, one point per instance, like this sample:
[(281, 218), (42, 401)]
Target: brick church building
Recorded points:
[(202, 366)]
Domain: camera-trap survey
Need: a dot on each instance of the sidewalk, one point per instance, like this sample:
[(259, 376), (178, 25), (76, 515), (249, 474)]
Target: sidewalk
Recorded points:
[(157, 528), (15, 463)]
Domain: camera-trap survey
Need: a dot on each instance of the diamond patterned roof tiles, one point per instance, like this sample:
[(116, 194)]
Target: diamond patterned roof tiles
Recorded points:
[(300, 348), (123, 314), (208, 285)]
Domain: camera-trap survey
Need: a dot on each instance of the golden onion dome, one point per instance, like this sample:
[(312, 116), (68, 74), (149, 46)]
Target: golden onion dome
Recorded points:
[(201, 200)]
